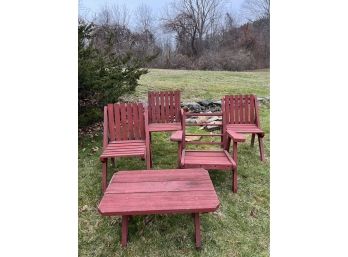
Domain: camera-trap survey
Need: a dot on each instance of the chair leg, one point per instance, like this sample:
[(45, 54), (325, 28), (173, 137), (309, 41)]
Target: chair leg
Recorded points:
[(262, 154), (150, 152), (150, 158), (234, 180), (235, 152), (104, 174), (227, 143), (252, 140), (124, 237), (148, 162), (179, 153), (197, 230)]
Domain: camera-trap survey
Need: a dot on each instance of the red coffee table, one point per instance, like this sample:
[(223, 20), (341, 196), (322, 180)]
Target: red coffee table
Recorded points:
[(145, 192)]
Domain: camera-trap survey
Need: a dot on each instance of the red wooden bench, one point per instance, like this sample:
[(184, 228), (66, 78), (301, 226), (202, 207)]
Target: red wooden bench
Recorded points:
[(164, 112), (125, 134), (241, 116), (159, 192), (219, 159)]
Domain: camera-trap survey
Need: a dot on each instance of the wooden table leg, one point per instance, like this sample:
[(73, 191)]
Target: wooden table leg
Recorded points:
[(124, 238), (197, 230)]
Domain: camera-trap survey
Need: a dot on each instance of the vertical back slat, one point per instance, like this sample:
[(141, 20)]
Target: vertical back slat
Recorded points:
[(252, 109), (153, 108), (237, 109), (227, 109), (177, 106), (167, 106), (117, 122), (246, 114), (162, 115), (130, 131), (157, 107), (149, 105), (136, 121), (111, 122), (123, 121), (141, 121), (233, 109), (242, 109), (171, 106)]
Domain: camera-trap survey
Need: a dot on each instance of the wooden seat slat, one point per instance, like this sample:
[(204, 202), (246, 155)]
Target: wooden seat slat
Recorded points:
[(159, 186), (158, 202), (204, 153), (153, 127), (145, 173), (156, 178), (126, 146), (112, 155)]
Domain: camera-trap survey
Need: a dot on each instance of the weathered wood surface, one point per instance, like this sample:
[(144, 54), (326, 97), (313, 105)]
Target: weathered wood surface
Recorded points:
[(241, 115), (159, 192), (125, 134), (219, 159), (162, 191), (159, 127), (164, 107)]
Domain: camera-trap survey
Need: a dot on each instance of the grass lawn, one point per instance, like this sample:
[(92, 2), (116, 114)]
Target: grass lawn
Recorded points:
[(198, 85), (240, 227)]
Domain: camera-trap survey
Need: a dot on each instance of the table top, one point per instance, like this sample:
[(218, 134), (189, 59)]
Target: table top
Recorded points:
[(140, 192)]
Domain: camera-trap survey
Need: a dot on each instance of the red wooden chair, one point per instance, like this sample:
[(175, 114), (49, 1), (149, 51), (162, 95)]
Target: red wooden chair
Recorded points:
[(164, 112), (219, 159), (125, 134), (241, 116)]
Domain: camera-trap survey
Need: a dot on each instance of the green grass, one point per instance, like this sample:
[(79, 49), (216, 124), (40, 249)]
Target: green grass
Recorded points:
[(198, 85), (240, 227)]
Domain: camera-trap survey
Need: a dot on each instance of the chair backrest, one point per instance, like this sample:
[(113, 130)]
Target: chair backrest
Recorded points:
[(164, 107), (202, 124), (125, 121), (239, 109)]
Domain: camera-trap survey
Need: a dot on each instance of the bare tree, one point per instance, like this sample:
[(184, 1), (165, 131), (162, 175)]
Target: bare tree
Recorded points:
[(144, 18), (256, 9), (192, 21), (113, 15)]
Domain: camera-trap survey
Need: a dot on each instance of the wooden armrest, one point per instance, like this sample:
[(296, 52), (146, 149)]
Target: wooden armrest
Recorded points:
[(237, 137), (176, 136)]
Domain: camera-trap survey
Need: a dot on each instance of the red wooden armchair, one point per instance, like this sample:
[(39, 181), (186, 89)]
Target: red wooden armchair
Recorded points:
[(241, 116), (219, 159), (125, 134)]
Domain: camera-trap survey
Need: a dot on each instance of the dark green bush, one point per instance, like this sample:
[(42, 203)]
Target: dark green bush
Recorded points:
[(103, 76)]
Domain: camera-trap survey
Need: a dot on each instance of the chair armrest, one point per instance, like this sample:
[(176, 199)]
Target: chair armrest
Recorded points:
[(236, 137), (176, 136)]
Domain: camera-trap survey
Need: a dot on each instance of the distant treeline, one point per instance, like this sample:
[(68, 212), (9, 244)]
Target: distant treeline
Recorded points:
[(201, 35)]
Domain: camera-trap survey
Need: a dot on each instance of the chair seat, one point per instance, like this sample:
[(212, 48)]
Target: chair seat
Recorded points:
[(157, 127), (124, 148), (219, 159), (244, 128)]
